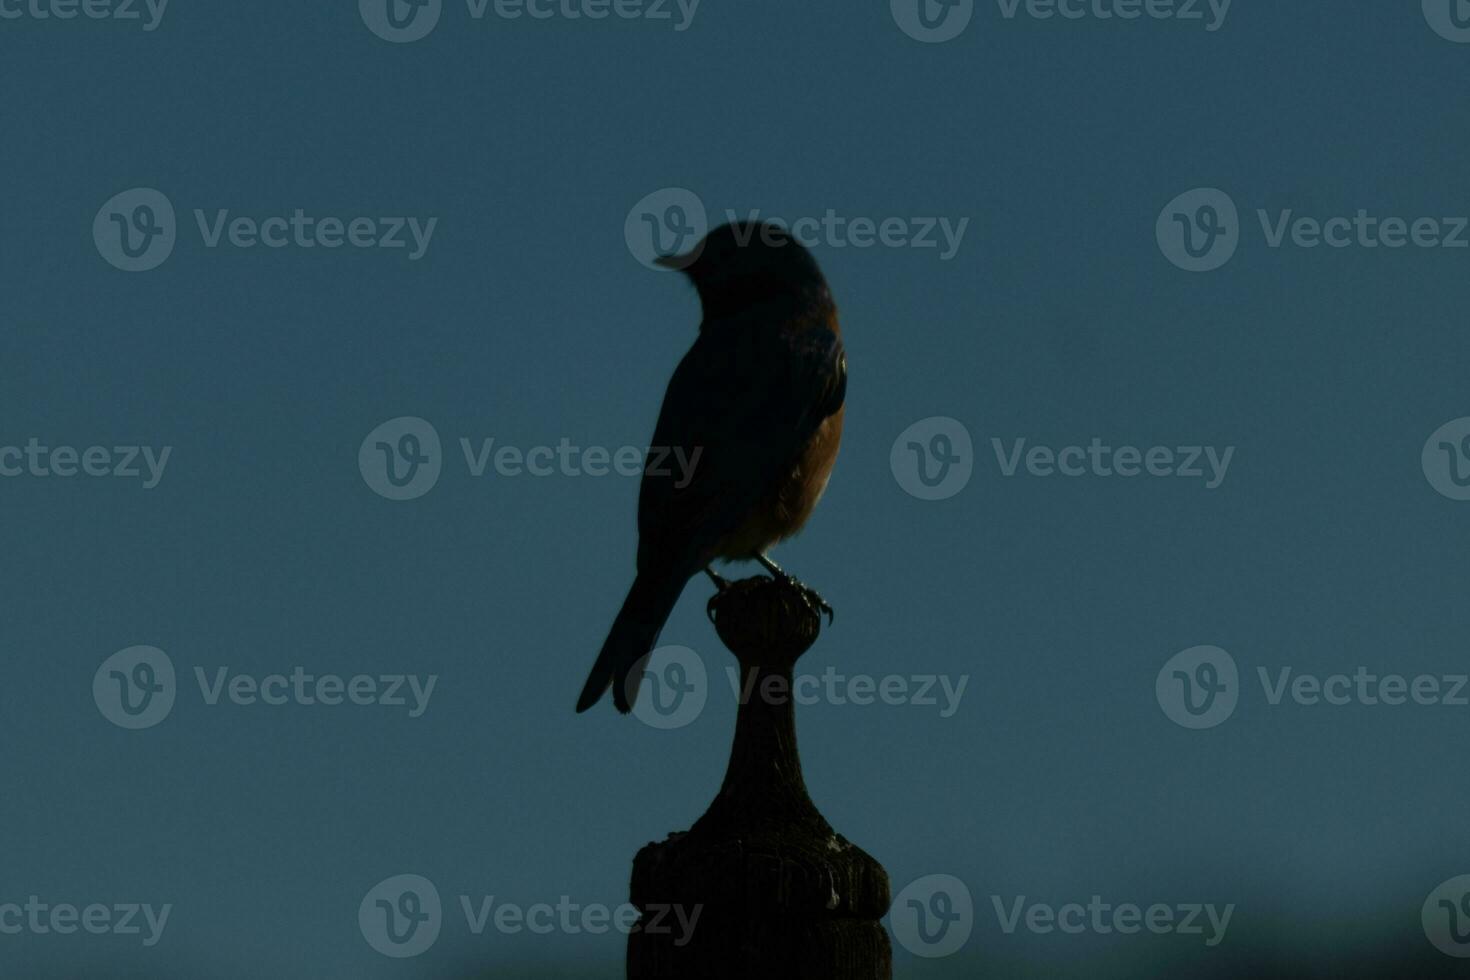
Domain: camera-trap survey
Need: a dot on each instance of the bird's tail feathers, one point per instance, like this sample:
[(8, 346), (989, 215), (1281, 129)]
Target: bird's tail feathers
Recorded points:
[(632, 637)]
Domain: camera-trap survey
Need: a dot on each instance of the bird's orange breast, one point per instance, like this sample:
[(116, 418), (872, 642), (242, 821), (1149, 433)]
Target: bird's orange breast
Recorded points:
[(788, 504)]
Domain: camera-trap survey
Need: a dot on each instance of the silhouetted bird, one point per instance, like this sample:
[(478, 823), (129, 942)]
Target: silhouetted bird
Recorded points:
[(759, 397)]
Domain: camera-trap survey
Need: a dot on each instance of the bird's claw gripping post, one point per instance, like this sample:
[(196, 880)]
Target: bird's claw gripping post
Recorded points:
[(813, 599), (722, 585), (816, 601), (809, 595)]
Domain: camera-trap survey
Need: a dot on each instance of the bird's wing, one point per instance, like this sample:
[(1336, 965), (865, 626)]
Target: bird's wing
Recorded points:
[(747, 400)]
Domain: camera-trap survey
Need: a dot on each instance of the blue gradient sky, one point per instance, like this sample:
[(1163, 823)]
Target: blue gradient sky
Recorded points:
[(529, 321)]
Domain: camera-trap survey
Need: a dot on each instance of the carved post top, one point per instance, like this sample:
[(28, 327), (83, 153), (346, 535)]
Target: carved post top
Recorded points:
[(765, 622)]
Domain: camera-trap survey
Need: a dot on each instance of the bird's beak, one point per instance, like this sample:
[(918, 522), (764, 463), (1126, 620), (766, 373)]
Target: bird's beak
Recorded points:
[(682, 262), (676, 262)]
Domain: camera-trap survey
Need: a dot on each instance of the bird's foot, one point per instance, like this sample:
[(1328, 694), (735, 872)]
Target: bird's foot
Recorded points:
[(809, 595)]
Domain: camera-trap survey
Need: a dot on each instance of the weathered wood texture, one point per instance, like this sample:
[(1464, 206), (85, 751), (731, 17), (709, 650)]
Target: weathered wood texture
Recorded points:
[(780, 893)]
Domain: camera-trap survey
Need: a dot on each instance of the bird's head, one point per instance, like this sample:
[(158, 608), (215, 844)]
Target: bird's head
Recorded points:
[(747, 263)]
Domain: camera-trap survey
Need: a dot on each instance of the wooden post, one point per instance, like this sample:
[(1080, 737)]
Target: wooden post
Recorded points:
[(779, 893)]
